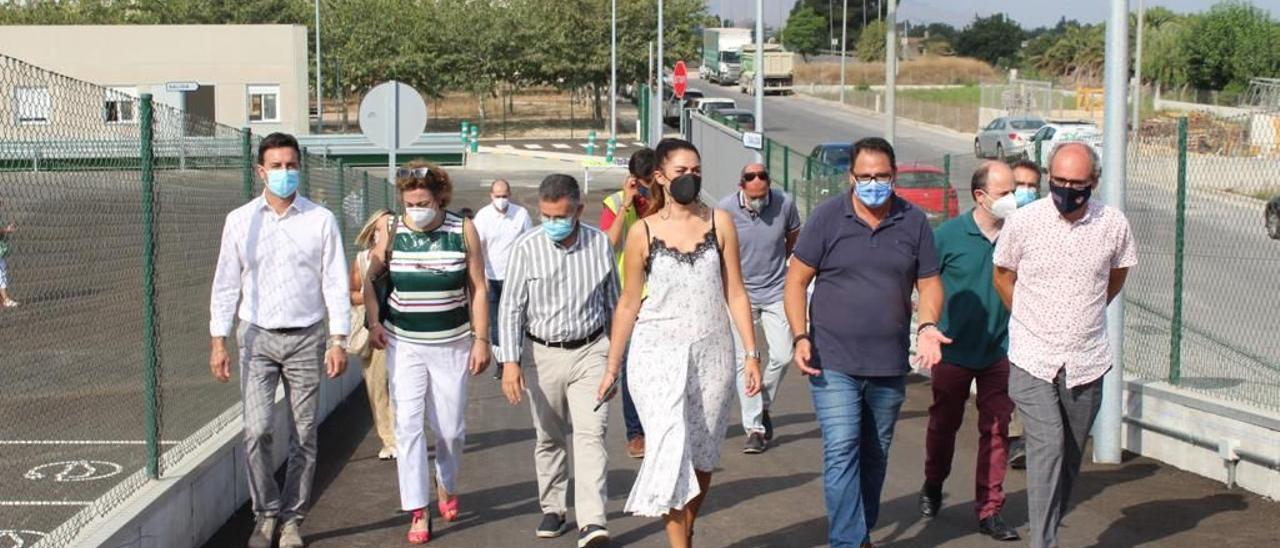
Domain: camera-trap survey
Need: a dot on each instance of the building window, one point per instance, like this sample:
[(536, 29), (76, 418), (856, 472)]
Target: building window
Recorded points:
[(32, 105), (119, 105), (264, 103)]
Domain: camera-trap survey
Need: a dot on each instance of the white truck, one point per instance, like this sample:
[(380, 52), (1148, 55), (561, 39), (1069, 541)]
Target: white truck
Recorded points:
[(779, 68), (720, 47)]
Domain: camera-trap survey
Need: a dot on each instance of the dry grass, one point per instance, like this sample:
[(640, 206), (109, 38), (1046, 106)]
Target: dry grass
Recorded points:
[(927, 70)]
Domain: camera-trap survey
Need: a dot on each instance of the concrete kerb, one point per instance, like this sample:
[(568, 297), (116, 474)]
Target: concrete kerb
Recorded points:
[(488, 154)]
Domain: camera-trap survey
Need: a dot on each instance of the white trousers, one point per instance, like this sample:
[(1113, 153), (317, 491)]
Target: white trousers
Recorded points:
[(428, 379)]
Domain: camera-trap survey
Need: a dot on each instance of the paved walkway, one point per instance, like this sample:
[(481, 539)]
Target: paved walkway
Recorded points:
[(768, 500), (773, 499)]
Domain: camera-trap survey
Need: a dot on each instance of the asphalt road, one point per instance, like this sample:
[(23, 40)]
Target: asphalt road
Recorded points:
[(1231, 290)]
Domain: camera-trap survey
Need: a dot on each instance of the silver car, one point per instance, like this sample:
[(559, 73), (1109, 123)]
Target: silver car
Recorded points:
[(1006, 136)]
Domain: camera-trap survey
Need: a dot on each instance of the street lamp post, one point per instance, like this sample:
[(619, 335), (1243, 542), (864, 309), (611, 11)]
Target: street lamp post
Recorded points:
[(319, 82), (655, 134), (613, 72), (844, 44), (890, 69)]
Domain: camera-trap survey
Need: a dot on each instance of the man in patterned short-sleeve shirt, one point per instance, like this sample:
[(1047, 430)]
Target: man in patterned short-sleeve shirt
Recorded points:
[(1059, 262)]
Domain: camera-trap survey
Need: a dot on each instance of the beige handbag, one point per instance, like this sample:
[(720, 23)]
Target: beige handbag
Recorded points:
[(358, 342)]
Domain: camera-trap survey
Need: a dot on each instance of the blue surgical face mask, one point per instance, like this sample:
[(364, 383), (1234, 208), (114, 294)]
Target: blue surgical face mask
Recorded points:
[(282, 182), (1024, 195), (873, 193), (557, 229)]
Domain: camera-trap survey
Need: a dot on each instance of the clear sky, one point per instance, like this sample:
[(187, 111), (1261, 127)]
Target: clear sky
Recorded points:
[(1029, 13)]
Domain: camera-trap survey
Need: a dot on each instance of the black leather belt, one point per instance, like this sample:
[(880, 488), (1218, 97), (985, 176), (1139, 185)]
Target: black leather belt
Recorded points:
[(288, 330), (569, 345)]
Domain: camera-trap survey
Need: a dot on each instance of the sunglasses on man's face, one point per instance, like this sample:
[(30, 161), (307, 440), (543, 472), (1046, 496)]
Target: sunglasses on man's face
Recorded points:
[(753, 175)]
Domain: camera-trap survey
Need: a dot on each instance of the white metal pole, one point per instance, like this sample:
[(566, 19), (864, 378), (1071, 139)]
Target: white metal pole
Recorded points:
[(1137, 75), (890, 69), (1106, 430), (655, 134), (844, 41), (319, 82), (759, 75), (613, 72)]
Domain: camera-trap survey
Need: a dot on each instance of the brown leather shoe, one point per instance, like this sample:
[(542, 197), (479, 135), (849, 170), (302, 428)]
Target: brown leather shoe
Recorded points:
[(635, 447)]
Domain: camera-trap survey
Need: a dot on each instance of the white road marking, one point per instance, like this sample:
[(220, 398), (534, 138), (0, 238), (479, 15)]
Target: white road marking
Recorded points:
[(532, 146), (17, 538), (74, 470), (42, 503), (82, 442), (561, 146), (639, 144)]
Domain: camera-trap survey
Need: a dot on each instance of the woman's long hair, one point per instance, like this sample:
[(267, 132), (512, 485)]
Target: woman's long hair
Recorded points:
[(365, 238)]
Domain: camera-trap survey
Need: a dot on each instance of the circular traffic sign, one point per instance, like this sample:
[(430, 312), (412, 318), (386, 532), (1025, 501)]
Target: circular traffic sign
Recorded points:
[(680, 79), (392, 115)]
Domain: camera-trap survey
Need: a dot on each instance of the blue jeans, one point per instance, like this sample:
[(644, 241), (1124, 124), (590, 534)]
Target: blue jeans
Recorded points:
[(857, 415)]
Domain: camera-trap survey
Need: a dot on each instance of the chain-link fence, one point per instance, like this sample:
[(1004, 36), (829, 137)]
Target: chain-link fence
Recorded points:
[(112, 208), (1203, 301)]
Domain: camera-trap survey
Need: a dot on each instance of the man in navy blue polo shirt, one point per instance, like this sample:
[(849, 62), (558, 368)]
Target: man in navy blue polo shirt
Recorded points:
[(865, 251)]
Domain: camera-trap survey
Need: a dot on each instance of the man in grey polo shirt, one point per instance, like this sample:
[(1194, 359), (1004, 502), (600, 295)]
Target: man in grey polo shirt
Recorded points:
[(768, 224), (865, 250)]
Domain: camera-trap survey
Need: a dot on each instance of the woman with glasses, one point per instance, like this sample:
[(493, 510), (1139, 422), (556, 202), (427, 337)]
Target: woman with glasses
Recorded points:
[(435, 331), (680, 364)]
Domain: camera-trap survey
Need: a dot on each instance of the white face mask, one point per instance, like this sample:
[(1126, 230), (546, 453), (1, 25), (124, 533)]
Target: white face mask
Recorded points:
[(501, 203), (1004, 207), (420, 216)]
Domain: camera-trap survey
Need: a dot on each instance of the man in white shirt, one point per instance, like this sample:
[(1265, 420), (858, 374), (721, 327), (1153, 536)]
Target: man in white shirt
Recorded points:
[(281, 271), (499, 224)]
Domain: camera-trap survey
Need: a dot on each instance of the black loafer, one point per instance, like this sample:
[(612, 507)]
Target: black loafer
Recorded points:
[(930, 500), (995, 527)]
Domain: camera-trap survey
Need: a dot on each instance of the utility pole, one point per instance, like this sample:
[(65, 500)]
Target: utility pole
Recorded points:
[(613, 72), (1137, 76), (890, 69), (844, 44), (655, 134), (319, 82), (1106, 429), (759, 75)]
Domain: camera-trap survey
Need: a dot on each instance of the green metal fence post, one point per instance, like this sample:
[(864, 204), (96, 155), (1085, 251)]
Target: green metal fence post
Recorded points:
[(1179, 242), (1039, 144), (808, 196), (305, 174), (364, 197), (644, 114), (946, 192), (150, 344), (341, 199), (768, 154), (246, 150), (786, 168)]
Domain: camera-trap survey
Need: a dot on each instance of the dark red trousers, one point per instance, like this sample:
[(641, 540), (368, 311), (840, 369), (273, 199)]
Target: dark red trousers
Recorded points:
[(950, 392)]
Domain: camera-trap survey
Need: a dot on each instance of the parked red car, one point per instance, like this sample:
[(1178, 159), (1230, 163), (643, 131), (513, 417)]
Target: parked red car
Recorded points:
[(927, 187)]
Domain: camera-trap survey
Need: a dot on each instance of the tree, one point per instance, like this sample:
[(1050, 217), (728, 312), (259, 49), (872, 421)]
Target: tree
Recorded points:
[(806, 32), (1230, 44), (871, 43), (994, 39), (831, 12)]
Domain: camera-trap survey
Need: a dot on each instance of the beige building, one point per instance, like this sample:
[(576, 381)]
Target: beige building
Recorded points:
[(239, 75)]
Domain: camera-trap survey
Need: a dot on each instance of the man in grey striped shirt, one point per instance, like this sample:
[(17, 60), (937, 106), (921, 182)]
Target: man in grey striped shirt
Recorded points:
[(560, 291)]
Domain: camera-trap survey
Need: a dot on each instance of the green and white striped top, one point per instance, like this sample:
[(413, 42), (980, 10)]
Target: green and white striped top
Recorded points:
[(428, 300)]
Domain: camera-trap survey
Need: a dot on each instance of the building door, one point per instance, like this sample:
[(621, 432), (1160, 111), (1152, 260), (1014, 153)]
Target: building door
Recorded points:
[(200, 112)]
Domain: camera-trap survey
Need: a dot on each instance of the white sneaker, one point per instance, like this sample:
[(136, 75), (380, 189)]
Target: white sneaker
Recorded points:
[(290, 536), (387, 453), (11, 303)]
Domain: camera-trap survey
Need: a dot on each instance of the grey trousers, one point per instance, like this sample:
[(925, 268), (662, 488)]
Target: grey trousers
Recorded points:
[(266, 356), (1056, 421)]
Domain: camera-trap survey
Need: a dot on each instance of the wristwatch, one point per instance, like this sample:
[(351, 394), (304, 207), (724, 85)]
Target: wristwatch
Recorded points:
[(752, 355), (338, 341)]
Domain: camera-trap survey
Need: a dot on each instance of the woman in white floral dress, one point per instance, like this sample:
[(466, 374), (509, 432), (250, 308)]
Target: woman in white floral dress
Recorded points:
[(681, 367)]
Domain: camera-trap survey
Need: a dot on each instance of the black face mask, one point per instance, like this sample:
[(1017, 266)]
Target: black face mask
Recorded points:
[(685, 188), (1068, 199)]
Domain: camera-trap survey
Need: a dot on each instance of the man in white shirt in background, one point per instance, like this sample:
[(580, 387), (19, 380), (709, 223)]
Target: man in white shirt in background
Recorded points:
[(281, 271), (499, 224)]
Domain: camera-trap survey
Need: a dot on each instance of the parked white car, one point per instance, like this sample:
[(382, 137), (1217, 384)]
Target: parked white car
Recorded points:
[(1055, 133), (1006, 137), (705, 105)]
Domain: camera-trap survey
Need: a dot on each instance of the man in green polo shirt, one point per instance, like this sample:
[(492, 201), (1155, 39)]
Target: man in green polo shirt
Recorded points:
[(977, 322)]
